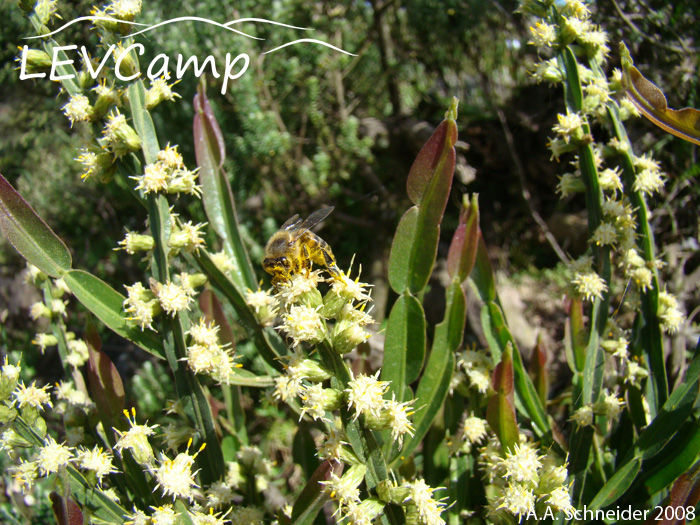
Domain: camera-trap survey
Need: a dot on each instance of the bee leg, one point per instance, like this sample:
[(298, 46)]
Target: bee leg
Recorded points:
[(305, 260), (329, 261)]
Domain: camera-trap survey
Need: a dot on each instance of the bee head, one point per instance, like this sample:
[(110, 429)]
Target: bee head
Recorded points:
[(274, 265)]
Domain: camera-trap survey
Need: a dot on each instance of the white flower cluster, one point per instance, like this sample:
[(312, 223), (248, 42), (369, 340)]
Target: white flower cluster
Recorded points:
[(206, 356), (521, 478), (473, 367), (168, 175)]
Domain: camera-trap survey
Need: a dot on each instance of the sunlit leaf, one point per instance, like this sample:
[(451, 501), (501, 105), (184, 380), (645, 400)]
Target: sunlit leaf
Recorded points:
[(216, 190), (106, 304), (616, 485), (404, 346), (30, 235), (651, 102)]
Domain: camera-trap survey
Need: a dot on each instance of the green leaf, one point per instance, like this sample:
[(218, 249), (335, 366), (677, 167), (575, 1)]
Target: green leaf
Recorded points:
[(676, 458), (404, 346), (672, 415), (143, 124), (616, 485), (414, 248), (314, 496), (401, 247), (482, 274), (183, 514), (216, 190), (30, 235), (501, 417), (434, 164), (651, 102), (106, 387), (499, 337), (101, 506), (435, 382), (106, 304), (465, 242)]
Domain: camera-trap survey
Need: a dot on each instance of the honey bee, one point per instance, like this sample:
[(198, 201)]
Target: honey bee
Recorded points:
[(295, 248)]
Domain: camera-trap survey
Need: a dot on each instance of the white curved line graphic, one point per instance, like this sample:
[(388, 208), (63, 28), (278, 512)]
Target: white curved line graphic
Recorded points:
[(81, 19), (232, 22), (195, 19), (312, 41), (226, 26)]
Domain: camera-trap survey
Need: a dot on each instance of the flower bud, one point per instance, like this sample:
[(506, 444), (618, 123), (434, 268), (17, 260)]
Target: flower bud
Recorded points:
[(388, 491), (191, 281), (34, 275), (9, 376), (39, 310), (35, 60), (101, 164), (121, 137), (312, 371), (333, 303), (347, 335), (129, 65), (135, 242), (106, 98), (158, 92), (184, 181), (44, 10)]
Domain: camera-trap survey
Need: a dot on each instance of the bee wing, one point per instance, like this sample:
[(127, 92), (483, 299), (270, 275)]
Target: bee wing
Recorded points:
[(311, 221), (291, 222)]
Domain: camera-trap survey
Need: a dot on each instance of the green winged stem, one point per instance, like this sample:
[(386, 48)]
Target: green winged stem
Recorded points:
[(649, 331), (482, 274), (217, 197), (30, 235), (651, 102), (64, 66), (143, 123)]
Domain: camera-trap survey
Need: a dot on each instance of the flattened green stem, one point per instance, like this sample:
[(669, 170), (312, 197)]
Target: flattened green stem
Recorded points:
[(650, 332)]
